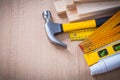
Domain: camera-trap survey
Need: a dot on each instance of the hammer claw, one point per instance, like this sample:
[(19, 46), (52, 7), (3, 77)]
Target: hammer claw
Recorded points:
[(52, 29), (57, 42)]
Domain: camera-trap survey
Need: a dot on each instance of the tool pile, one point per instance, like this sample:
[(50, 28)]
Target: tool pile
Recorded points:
[(53, 29), (80, 10), (102, 47), (77, 10)]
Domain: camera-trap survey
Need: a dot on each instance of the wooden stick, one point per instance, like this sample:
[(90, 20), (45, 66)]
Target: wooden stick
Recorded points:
[(96, 7), (84, 1), (60, 7), (70, 4), (74, 17)]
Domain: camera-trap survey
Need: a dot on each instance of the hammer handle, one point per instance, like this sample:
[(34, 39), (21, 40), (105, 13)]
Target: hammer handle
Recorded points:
[(84, 24)]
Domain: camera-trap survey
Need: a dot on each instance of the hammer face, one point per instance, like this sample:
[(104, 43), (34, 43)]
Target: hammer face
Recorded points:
[(52, 29)]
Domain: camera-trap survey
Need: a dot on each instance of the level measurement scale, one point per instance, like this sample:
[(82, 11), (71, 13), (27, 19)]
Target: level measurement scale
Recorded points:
[(106, 34), (108, 25), (100, 32), (102, 43)]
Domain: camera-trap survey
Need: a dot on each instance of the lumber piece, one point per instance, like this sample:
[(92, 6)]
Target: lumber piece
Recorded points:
[(74, 17), (84, 1), (60, 7), (94, 7), (70, 4)]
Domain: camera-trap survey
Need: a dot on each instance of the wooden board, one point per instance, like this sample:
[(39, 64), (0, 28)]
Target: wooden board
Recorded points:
[(96, 7), (73, 16), (60, 7), (84, 1), (70, 4)]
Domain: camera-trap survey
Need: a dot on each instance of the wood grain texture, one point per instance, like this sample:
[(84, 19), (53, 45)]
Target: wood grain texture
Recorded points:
[(26, 53), (60, 7), (73, 15), (84, 1), (70, 4), (96, 7)]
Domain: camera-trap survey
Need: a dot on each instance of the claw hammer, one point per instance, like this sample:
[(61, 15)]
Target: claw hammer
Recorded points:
[(55, 28)]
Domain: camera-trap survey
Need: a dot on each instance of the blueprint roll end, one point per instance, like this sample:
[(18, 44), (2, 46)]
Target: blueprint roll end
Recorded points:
[(105, 65), (98, 68)]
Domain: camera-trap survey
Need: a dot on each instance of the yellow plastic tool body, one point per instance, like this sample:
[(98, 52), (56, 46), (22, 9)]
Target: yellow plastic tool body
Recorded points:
[(103, 35), (79, 25), (103, 41), (107, 26), (81, 34), (110, 49), (111, 33)]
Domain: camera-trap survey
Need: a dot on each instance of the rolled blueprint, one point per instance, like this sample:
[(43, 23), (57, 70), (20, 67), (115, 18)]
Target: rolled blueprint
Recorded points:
[(106, 64)]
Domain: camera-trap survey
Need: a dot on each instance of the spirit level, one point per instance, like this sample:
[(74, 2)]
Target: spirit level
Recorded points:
[(110, 49)]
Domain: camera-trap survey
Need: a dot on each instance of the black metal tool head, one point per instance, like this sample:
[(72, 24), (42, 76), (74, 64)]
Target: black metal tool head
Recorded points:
[(52, 29)]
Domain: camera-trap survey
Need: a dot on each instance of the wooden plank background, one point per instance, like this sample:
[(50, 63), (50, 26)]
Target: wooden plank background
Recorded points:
[(25, 52)]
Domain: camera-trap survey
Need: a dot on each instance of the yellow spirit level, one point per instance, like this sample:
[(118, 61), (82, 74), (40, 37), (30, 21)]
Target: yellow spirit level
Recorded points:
[(100, 53)]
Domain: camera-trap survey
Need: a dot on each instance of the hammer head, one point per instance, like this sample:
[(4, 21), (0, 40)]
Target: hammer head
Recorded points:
[(52, 29)]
